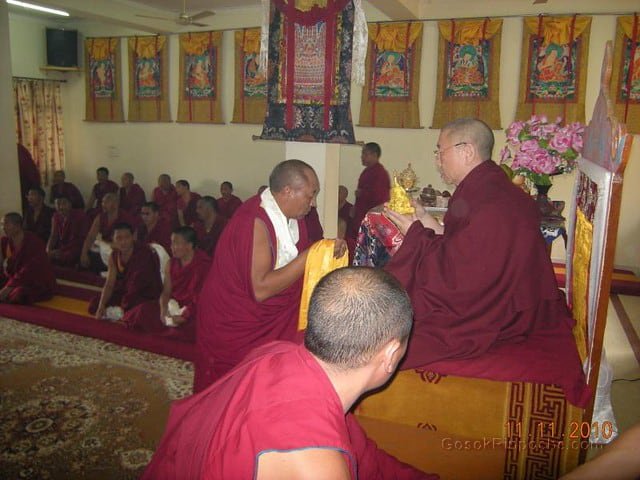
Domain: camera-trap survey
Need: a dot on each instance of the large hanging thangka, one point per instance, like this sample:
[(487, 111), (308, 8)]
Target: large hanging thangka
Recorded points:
[(148, 79), (553, 73), (199, 99), (309, 81), (392, 86), (625, 81), (250, 102), (102, 79), (468, 71)]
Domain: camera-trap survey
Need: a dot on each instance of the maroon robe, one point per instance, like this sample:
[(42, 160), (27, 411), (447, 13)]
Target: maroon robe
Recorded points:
[(70, 233), (227, 208), (131, 201), (231, 322), (314, 227), (374, 186), (67, 190), (106, 227), (186, 283), (344, 212), (161, 234), (99, 190), (137, 281), (486, 281), (28, 270), (167, 203), (41, 226), (189, 209), (277, 399), (28, 171), (207, 240)]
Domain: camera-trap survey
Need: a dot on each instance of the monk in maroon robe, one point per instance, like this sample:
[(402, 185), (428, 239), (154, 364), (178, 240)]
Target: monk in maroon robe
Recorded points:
[(283, 412), (209, 226), (27, 276), (165, 196), (68, 231), (344, 206), (252, 292), (99, 190), (314, 227), (103, 224), (154, 228), (133, 276), (174, 314), (29, 174), (61, 188), (37, 218), (373, 186), (485, 278), (228, 203), (132, 196), (186, 204)]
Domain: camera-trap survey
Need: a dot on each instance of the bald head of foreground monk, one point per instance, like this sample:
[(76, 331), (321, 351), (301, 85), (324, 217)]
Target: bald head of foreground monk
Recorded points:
[(283, 412)]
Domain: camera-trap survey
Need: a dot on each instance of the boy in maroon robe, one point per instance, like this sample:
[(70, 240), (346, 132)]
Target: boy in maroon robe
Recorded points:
[(154, 228), (484, 279), (133, 276), (228, 203), (104, 225), (132, 197), (186, 204), (184, 275), (373, 186), (252, 292), (27, 276), (209, 226), (99, 190), (68, 231), (37, 218), (61, 188), (344, 207), (284, 411), (165, 196)]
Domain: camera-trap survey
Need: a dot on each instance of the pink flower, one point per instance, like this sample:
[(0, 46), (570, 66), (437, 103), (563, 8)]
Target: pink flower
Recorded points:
[(513, 131), (505, 154), (529, 146), (561, 141)]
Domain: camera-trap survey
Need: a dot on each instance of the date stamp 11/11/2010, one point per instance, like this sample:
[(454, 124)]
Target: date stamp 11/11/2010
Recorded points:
[(542, 436)]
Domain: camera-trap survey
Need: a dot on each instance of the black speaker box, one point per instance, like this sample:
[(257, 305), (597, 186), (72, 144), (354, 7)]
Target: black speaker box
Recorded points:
[(62, 47)]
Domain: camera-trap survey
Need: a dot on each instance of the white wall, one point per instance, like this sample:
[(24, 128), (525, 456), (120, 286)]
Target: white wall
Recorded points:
[(209, 154)]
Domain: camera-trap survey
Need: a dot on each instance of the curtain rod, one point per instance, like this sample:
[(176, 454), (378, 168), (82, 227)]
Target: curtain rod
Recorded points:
[(383, 22), (42, 79)]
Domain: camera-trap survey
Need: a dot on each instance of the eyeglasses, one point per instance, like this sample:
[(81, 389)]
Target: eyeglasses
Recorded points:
[(439, 151)]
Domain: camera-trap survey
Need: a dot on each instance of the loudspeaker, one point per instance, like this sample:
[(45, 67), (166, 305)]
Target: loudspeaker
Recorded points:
[(62, 47)]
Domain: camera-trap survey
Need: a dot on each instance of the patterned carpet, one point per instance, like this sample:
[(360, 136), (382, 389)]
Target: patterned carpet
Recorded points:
[(79, 408)]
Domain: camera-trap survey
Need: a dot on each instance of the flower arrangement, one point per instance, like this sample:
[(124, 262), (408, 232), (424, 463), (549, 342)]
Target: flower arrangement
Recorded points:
[(539, 149)]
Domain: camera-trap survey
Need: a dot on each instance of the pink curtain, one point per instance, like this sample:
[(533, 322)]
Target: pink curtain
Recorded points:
[(38, 115)]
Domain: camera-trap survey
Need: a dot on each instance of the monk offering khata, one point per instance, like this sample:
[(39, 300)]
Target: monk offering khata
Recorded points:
[(400, 201)]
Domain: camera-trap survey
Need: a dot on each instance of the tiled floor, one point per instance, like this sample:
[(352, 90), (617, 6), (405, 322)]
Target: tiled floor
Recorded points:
[(625, 394)]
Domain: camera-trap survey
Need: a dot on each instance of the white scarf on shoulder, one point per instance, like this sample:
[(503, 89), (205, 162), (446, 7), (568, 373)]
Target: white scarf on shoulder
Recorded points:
[(287, 233)]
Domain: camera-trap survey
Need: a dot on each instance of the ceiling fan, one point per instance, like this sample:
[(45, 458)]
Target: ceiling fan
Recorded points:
[(539, 2), (184, 18)]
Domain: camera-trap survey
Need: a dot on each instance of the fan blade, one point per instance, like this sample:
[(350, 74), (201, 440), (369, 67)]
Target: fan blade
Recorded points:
[(155, 18), (539, 2), (203, 14), (199, 24)]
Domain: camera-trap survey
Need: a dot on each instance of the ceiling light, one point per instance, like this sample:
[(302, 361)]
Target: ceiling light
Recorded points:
[(37, 7)]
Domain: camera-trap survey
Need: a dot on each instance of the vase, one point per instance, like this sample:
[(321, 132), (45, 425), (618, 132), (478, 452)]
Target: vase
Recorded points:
[(542, 200)]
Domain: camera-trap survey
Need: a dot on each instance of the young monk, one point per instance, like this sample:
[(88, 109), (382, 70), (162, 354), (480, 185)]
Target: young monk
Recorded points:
[(38, 216), (209, 225), (68, 231), (175, 314), (27, 276), (61, 188)]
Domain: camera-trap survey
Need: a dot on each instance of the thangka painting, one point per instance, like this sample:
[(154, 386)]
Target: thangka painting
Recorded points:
[(554, 67), (309, 81), (250, 103), (625, 81), (102, 80), (392, 84), (200, 57), (468, 71), (148, 79)]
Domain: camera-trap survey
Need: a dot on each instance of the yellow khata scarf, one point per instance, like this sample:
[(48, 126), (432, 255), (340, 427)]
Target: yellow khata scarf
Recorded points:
[(320, 262)]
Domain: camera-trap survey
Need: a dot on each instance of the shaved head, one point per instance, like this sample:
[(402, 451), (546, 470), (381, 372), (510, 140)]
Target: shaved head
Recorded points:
[(473, 131), (291, 173), (13, 218)]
